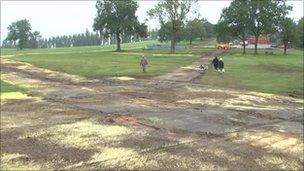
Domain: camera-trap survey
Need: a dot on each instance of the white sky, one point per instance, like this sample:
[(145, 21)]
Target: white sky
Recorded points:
[(54, 18)]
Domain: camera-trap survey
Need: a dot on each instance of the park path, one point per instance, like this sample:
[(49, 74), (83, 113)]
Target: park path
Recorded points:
[(180, 125), (191, 72)]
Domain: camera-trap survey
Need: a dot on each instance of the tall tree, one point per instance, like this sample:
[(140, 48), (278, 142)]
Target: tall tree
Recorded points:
[(21, 31), (223, 32), (288, 32), (236, 17), (194, 29), (117, 17), (36, 37), (173, 12), (165, 32), (209, 27), (202, 31), (300, 28), (264, 16)]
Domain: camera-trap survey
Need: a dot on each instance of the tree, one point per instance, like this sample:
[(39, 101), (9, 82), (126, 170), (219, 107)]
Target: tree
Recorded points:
[(12, 33), (209, 28), (223, 32), (171, 12), (20, 31), (202, 31), (164, 33), (300, 28), (153, 34), (34, 39), (237, 19), (264, 17), (288, 32), (194, 29), (116, 17)]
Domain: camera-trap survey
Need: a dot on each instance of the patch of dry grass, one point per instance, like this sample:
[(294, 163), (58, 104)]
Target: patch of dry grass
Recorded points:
[(13, 162), (86, 134)]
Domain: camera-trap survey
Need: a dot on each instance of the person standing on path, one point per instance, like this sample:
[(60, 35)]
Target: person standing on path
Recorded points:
[(215, 62), (221, 66), (143, 63)]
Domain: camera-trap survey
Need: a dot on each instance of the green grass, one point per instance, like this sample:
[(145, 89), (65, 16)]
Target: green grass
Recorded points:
[(6, 88), (81, 49), (279, 74), (103, 61)]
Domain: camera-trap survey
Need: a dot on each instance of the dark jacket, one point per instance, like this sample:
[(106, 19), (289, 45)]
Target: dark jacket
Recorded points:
[(221, 64), (215, 62)]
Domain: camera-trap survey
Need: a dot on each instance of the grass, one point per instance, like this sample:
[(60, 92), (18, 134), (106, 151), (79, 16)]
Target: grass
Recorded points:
[(7, 88), (103, 61), (81, 49), (278, 74)]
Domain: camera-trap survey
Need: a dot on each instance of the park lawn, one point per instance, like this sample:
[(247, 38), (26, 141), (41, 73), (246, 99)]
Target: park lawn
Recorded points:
[(109, 63), (278, 74), (7, 88), (80, 49), (96, 61)]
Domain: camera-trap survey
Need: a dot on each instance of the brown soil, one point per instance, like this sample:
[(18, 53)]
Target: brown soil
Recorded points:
[(123, 120)]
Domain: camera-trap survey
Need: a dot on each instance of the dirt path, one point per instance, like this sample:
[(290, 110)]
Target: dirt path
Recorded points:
[(78, 123), (191, 72)]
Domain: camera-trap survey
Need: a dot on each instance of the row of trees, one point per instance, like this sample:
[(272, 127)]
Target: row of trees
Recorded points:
[(20, 36), (191, 30), (116, 22), (34, 40), (117, 18), (256, 17)]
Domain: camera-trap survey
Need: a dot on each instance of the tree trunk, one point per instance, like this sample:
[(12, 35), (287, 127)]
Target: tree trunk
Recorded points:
[(172, 46), (285, 48), (244, 47), (256, 44), (190, 41), (118, 42), (173, 38), (173, 43), (101, 37)]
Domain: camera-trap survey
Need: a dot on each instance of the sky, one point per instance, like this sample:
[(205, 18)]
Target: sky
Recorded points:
[(54, 18)]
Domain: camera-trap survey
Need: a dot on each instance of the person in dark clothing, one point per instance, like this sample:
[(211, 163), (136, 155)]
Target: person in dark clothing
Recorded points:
[(215, 62), (221, 66)]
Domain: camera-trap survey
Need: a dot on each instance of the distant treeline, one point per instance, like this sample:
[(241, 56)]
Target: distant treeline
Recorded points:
[(83, 39)]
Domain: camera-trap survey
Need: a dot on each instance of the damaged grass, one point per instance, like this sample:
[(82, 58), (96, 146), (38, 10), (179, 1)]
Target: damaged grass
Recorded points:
[(14, 162), (86, 134), (9, 91), (8, 88)]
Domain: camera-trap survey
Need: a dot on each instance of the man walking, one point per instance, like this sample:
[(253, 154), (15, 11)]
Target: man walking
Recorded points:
[(215, 62), (143, 63)]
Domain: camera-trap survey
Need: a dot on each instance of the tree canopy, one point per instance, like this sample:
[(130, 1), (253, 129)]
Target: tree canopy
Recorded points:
[(116, 17), (300, 29), (194, 28), (237, 19), (264, 17), (173, 12), (19, 31), (288, 32), (251, 17)]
